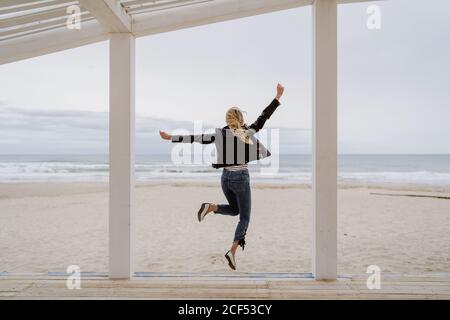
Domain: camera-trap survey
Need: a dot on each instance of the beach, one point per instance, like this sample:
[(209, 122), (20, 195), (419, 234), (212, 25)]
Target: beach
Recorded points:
[(46, 227)]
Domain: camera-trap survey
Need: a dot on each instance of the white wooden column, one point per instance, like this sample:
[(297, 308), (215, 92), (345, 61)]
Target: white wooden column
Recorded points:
[(121, 154), (324, 125)]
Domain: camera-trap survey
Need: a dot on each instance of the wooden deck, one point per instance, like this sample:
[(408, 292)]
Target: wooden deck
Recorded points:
[(237, 286)]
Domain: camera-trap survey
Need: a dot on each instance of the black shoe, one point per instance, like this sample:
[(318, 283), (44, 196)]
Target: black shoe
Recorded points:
[(231, 261), (203, 211)]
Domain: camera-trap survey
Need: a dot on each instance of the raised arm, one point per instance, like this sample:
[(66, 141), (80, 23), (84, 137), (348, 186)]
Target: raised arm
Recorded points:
[(268, 111), (205, 138)]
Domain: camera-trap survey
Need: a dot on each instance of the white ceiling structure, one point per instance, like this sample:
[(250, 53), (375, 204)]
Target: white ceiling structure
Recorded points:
[(30, 28)]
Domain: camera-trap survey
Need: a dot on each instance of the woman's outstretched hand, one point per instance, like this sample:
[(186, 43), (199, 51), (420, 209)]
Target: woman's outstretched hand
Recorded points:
[(165, 135), (280, 90)]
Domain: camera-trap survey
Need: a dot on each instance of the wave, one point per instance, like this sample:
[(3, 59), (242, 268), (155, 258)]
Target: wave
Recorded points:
[(78, 171)]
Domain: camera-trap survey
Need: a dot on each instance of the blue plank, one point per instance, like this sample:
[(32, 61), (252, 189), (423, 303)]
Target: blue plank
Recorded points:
[(215, 275)]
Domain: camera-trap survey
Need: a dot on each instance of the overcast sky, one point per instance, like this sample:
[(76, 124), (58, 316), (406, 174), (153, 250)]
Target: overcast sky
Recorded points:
[(394, 83)]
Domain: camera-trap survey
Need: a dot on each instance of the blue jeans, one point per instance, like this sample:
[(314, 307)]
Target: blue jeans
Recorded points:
[(236, 187)]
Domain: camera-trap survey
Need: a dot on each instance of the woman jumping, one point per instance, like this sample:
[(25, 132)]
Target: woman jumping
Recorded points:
[(236, 146)]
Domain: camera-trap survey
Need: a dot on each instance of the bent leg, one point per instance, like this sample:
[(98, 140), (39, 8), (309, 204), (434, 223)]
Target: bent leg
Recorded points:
[(232, 208)]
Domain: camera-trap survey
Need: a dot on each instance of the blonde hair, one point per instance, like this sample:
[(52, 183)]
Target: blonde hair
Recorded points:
[(234, 118), (235, 121)]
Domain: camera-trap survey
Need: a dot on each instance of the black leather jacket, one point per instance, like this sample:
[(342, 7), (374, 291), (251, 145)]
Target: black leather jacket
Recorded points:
[(230, 149)]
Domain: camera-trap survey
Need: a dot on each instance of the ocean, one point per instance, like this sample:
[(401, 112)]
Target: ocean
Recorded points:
[(430, 170)]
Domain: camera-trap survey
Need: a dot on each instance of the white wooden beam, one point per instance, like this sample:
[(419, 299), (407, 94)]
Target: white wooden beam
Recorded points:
[(110, 14), (356, 1), (39, 27), (145, 24), (30, 5), (34, 17), (50, 41), (11, 3), (206, 13), (164, 5), (324, 125), (121, 154)]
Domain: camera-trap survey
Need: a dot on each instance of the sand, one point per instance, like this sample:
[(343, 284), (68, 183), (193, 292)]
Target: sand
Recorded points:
[(47, 227)]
